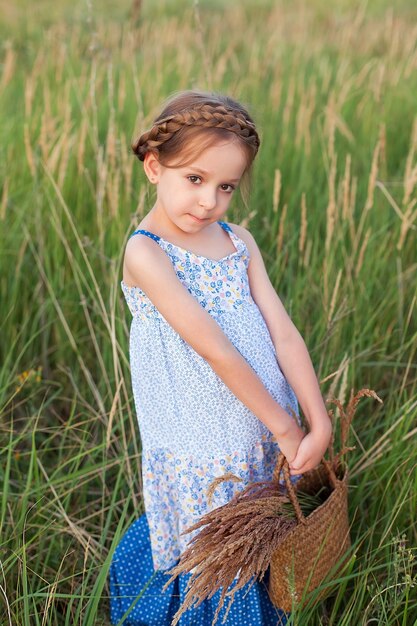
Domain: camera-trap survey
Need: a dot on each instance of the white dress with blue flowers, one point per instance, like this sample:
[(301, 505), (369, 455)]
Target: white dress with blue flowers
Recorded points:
[(192, 427)]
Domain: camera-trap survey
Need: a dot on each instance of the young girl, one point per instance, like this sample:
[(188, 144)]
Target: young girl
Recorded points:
[(217, 365)]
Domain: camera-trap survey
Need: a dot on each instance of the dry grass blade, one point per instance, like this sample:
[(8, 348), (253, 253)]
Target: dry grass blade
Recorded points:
[(346, 416)]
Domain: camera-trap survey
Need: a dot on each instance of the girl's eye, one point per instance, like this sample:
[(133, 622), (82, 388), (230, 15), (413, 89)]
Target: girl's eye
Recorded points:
[(193, 179)]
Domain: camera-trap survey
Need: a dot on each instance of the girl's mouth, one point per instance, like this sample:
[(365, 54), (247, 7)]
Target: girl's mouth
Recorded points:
[(198, 219)]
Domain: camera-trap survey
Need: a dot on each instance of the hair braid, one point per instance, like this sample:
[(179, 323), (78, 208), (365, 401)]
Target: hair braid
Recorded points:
[(205, 115)]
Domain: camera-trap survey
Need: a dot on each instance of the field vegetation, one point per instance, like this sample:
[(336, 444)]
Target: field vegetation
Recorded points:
[(333, 207)]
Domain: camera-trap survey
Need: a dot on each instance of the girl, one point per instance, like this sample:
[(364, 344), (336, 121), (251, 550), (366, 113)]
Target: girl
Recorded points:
[(217, 365)]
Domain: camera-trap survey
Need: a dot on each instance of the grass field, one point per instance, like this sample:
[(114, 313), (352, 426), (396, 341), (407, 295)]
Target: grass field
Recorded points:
[(333, 207)]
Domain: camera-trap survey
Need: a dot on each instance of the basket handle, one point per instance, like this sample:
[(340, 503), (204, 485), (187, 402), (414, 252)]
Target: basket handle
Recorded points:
[(282, 465)]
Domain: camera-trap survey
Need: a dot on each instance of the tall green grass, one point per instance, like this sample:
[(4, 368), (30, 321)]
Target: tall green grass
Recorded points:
[(333, 208)]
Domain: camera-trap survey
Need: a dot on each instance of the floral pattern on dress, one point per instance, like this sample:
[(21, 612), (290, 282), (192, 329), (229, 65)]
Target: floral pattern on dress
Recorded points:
[(219, 286), (192, 427), (175, 489)]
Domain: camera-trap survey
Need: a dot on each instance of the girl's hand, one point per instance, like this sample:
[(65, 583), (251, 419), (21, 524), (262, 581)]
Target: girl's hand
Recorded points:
[(290, 443), (311, 450)]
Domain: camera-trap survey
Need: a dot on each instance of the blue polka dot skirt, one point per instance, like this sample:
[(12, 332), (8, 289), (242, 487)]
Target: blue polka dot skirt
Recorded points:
[(136, 597)]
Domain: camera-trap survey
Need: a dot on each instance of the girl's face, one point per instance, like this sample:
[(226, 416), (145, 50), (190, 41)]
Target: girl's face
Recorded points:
[(190, 198)]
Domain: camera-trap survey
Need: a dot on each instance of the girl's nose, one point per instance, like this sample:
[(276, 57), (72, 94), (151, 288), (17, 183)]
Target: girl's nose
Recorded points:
[(208, 199)]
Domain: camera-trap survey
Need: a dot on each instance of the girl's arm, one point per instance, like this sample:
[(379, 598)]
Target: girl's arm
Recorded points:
[(152, 271), (292, 355)]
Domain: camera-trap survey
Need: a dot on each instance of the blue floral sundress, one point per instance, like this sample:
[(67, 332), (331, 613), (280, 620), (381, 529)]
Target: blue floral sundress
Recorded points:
[(193, 429)]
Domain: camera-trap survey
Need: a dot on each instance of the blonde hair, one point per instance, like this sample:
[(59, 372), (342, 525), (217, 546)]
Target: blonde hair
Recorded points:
[(190, 122)]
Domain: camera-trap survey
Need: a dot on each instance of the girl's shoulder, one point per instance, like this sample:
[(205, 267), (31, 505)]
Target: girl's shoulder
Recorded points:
[(141, 253), (244, 234), (238, 229)]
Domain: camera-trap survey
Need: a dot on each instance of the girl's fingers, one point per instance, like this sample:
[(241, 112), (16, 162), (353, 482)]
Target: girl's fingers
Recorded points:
[(298, 463), (304, 468)]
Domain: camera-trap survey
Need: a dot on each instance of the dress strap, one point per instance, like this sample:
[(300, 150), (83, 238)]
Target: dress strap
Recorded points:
[(225, 226), (141, 231), (147, 233)]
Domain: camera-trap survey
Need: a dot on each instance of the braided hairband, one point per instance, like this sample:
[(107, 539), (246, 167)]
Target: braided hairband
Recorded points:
[(206, 115)]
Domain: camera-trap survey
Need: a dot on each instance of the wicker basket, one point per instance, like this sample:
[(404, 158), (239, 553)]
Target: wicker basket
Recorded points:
[(317, 543)]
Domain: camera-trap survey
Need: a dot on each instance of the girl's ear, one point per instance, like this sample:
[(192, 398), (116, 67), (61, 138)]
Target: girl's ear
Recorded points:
[(152, 167)]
